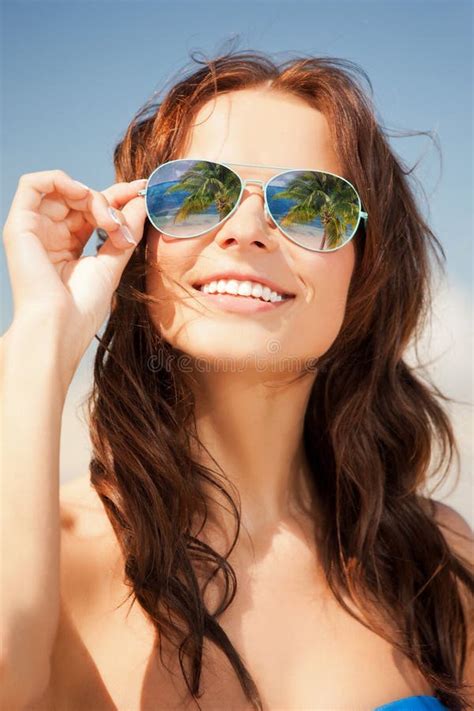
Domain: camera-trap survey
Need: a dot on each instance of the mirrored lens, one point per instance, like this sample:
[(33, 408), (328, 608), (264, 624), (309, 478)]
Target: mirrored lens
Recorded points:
[(186, 198), (318, 210)]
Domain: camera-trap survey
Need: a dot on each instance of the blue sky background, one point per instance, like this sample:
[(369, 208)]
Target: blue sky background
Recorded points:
[(75, 72)]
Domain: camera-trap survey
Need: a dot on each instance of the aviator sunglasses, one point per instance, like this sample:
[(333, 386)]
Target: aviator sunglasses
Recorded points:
[(317, 210)]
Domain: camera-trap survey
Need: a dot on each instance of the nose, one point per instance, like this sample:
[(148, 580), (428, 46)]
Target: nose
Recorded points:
[(250, 225)]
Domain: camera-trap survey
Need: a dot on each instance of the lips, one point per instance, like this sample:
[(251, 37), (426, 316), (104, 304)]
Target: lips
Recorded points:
[(243, 304), (274, 286)]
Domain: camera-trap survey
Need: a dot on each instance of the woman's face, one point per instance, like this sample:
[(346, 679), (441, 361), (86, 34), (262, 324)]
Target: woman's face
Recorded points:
[(264, 127)]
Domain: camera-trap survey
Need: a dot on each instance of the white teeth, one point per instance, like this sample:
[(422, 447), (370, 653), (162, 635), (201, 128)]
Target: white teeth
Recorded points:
[(241, 288), (245, 288), (232, 286)]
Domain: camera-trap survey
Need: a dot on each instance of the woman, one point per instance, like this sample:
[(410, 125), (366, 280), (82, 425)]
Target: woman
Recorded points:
[(260, 444)]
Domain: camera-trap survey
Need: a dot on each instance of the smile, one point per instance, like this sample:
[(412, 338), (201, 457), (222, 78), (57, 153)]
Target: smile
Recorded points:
[(244, 296), (247, 289)]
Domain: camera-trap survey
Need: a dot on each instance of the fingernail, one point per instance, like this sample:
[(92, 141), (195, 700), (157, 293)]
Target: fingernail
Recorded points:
[(128, 235), (114, 215), (82, 185)]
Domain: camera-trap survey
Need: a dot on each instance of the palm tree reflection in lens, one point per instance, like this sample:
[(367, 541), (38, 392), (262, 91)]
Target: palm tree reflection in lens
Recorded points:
[(317, 197), (206, 190), (311, 205), (207, 184)]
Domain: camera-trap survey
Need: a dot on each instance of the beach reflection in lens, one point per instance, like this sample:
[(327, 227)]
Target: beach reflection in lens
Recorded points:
[(189, 197), (318, 210)]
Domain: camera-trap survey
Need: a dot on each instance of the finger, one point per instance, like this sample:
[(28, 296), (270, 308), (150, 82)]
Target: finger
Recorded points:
[(117, 194), (120, 193), (54, 208), (76, 222), (81, 224), (135, 213), (133, 210), (98, 212), (114, 260), (33, 186), (58, 209)]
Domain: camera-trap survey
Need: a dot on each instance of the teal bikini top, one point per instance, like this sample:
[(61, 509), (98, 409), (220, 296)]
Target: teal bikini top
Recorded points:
[(414, 703)]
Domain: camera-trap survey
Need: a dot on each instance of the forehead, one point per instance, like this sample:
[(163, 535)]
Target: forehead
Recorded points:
[(262, 126)]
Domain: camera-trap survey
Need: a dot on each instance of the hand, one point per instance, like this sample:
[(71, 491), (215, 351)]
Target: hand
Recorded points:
[(50, 222)]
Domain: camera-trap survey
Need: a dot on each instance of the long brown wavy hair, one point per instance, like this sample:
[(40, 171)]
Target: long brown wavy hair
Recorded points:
[(372, 427)]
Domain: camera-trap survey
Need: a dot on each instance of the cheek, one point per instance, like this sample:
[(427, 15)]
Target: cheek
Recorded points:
[(326, 279), (167, 260), (167, 255), (159, 266)]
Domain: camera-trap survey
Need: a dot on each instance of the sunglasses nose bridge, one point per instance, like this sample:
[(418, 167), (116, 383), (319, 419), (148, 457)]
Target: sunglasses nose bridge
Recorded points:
[(253, 180), (262, 186)]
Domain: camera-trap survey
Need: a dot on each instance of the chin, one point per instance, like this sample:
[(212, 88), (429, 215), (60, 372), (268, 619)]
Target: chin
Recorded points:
[(219, 343), (219, 347)]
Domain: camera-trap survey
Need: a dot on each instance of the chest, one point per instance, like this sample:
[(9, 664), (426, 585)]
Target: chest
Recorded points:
[(302, 649)]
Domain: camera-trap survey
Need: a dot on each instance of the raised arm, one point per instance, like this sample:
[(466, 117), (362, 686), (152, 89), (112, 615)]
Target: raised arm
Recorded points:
[(61, 299)]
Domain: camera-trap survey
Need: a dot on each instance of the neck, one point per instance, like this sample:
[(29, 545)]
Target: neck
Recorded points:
[(253, 428)]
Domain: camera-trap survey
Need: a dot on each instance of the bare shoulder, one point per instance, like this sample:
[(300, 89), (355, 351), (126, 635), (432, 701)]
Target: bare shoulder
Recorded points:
[(460, 538), (79, 492), (86, 571), (88, 544), (82, 511), (456, 530)]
